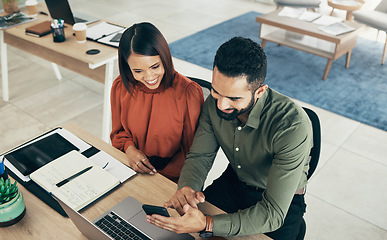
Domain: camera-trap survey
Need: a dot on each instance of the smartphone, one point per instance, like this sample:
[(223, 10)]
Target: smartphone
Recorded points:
[(116, 38), (151, 209)]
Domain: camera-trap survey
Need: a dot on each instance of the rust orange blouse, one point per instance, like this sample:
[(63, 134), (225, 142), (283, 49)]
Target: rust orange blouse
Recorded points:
[(159, 122)]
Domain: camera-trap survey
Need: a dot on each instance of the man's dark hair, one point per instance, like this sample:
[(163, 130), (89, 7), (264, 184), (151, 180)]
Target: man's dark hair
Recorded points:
[(242, 57)]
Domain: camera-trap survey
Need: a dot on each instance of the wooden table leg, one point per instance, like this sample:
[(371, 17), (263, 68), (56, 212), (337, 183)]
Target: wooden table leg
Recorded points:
[(4, 67), (263, 43), (107, 116), (327, 68), (348, 59), (349, 16)]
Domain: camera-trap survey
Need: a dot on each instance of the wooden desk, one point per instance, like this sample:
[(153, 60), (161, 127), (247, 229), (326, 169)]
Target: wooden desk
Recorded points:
[(307, 37), (68, 54), (41, 222)]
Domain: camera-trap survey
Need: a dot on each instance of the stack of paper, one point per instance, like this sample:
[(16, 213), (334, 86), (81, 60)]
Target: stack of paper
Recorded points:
[(14, 19), (299, 13), (291, 12), (309, 16), (327, 20), (105, 33), (337, 28)]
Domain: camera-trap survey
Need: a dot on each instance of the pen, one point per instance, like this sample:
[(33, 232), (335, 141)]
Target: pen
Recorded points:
[(105, 165), (63, 182)]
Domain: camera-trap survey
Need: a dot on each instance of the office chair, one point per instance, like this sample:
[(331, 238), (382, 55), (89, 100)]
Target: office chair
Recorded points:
[(376, 18), (315, 151), (314, 156), (206, 86)]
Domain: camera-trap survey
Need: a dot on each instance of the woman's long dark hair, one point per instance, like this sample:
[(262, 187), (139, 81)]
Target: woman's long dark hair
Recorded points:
[(144, 39)]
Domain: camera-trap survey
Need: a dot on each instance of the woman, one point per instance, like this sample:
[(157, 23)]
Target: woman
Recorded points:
[(155, 110)]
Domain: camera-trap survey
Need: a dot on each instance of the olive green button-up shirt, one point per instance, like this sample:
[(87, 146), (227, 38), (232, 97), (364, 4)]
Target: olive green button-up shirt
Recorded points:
[(269, 151)]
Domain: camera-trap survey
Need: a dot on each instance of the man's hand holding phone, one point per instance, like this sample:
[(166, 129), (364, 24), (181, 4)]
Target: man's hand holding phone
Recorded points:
[(151, 209), (191, 222), (191, 219), (184, 196)]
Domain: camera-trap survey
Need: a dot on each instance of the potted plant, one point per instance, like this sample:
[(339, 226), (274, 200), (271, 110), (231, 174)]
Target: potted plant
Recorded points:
[(12, 207), (10, 6)]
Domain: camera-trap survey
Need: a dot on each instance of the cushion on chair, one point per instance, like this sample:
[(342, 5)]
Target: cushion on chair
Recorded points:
[(373, 19), (299, 3), (382, 7)]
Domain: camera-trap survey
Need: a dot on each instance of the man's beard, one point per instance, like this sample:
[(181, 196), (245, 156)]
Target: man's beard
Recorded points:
[(234, 114)]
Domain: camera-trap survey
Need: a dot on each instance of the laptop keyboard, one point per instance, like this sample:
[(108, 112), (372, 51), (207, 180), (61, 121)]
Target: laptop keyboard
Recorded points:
[(118, 228), (79, 20)]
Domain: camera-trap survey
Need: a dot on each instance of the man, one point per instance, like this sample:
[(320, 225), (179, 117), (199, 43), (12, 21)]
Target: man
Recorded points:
[(267, 139)]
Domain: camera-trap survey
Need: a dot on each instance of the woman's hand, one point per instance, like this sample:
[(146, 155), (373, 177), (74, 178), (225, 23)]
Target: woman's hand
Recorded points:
[(138, 161)]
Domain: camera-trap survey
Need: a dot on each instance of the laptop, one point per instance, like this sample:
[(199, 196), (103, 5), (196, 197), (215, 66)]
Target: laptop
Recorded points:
[(130, 217), (61, 9)]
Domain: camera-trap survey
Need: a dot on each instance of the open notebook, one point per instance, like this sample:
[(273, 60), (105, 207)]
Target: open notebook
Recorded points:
[(28, 158), (82, 187)]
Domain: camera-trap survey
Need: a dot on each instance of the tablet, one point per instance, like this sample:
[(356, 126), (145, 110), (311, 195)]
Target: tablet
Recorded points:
[(29, 158)]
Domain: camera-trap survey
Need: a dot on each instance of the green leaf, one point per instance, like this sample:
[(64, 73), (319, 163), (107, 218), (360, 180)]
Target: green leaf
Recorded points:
[(8, 191)]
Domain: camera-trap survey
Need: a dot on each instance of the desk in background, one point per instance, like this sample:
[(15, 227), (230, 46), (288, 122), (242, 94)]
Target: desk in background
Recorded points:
[(42, 222), (68, 54)]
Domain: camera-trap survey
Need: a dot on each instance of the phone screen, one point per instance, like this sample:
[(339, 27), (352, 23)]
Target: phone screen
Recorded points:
[(151, 209)]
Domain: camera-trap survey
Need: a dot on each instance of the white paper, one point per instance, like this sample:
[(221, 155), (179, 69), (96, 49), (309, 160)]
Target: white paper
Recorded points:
[(309, 16), (83, 190), (101, 30), (327, 20), (337, 29), (106, 40), (56, 171), (291, 12), (113, 166)]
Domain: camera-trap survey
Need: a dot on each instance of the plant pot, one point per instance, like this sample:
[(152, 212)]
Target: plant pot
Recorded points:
[(10, 6), (13, 211)]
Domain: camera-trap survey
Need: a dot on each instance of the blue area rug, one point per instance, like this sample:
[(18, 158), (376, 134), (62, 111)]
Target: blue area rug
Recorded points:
[(359, 92)]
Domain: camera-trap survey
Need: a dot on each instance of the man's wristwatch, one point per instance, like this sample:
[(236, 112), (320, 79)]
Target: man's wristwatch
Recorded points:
[(207, 232)]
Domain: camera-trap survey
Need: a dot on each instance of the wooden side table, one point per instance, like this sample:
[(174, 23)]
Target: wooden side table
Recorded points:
[(347, 5)]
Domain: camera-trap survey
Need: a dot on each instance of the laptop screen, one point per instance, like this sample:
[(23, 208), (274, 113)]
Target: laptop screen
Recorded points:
[(60, 9)]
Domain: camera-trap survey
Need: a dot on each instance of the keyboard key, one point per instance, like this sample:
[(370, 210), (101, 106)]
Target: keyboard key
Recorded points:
[(118, 228)]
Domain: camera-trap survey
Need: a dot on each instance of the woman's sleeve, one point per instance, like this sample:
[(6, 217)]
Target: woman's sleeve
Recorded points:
[(194, 103), (120, 138)]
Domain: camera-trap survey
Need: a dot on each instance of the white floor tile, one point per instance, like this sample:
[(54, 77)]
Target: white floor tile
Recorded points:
[(368, 142), (325, 221), (354, 184), (17, 127), (59, 103)]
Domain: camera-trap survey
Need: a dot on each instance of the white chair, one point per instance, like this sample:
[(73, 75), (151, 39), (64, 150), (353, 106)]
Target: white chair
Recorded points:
[(310, 4), (375, 18)]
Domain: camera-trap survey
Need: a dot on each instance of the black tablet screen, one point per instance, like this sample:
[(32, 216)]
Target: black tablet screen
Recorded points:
[(33, 156)]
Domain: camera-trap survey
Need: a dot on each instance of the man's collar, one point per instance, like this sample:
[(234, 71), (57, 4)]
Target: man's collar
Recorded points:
[(254, 116)]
